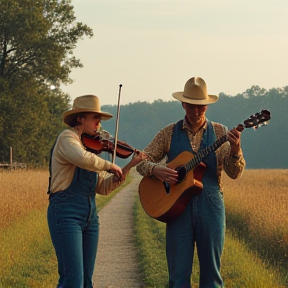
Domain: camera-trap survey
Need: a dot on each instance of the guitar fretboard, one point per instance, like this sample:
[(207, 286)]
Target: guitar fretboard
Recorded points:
[(205, 152)]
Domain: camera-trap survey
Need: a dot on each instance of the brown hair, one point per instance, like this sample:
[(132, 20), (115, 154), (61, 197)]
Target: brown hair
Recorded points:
[(72, 119)]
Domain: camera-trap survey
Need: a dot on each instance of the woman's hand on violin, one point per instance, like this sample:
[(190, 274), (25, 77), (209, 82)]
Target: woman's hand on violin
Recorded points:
[(117, 171), (138, 157), (165, 174)]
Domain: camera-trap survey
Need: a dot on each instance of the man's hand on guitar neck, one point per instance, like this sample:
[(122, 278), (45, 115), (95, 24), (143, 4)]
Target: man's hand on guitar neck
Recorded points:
[(165, 174), (234, 137)]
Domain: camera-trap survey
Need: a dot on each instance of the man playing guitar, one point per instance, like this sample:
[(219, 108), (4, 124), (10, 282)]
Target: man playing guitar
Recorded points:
[(203, 219)]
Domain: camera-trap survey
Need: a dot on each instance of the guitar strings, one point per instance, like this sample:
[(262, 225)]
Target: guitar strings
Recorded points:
[(205, 152)]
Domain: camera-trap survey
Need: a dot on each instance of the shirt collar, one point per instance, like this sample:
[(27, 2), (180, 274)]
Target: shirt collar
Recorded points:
[(185, 126)]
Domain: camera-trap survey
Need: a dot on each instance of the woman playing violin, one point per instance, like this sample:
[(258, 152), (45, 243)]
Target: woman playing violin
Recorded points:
[(76, 175)]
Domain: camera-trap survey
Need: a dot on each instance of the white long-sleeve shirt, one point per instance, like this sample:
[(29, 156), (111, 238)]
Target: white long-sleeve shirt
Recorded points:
[(68, 153)]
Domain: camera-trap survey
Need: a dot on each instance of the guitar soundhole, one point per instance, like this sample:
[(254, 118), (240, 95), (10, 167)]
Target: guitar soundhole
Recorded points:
[(181, 173), (167, 187)]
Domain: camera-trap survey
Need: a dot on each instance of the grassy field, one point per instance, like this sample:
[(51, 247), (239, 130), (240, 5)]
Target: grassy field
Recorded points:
[(255, 253), (27, 257), (257, 213), (240, 266)]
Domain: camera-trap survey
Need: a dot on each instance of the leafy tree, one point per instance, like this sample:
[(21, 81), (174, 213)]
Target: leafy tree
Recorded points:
[(37, 39)]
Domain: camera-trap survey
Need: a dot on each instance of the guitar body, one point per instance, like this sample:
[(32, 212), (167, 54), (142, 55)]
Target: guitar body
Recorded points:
[(167, 203)]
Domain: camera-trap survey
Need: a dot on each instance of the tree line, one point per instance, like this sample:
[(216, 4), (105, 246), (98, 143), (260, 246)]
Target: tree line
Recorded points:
[(264, 148)]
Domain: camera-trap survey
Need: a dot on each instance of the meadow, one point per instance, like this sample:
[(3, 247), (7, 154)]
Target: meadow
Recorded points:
[(27, 257), (255, 252), (257, 213), (256, 247)]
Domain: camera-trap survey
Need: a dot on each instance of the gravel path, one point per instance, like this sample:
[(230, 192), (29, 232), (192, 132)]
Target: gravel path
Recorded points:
[(116, 263)]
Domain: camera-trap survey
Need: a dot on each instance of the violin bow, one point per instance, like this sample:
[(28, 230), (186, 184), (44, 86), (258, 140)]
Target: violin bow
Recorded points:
[(117, 125)]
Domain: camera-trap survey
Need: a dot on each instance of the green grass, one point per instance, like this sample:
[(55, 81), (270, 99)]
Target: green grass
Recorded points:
[(268, 244), (149, 237), (240, 267)]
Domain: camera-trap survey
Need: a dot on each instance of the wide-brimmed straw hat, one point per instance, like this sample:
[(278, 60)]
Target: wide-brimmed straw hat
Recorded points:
[(195, 92), (85, 103)]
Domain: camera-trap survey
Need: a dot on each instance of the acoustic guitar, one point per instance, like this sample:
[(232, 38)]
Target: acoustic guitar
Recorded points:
[(166, 202)]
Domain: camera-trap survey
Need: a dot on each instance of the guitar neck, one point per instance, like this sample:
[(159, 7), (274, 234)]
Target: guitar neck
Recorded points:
[(205, 152)]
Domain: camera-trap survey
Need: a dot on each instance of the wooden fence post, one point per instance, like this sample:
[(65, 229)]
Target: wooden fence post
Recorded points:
[(11, 161)]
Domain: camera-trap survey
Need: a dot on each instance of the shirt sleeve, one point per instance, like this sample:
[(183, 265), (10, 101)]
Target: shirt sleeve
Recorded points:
[(225, 161), (106, 183), (71, 149), (234, 167), (156, 150)]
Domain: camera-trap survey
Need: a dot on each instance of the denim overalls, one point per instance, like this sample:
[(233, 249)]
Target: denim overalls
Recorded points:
[(203, 222), (74, 228)]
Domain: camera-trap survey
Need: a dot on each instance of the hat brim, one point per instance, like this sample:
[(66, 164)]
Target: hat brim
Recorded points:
[(68, 115), (210, 100)]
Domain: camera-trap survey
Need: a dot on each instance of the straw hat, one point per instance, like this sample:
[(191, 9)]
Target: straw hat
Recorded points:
[(86, 103), (195, 92)]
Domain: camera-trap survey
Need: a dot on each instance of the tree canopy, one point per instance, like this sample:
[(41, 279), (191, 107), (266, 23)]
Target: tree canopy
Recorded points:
[(37, 39)]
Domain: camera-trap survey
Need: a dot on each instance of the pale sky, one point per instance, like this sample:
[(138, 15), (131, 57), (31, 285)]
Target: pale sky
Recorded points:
[(152, 47)]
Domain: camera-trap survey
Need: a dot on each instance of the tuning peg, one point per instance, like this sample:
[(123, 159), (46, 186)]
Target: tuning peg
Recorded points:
[(265, 123)]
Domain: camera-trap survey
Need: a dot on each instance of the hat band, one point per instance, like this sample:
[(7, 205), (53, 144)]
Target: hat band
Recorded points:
[(188, 97)]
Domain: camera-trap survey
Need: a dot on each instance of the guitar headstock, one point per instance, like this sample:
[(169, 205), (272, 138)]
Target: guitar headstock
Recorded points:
[(257, 120)]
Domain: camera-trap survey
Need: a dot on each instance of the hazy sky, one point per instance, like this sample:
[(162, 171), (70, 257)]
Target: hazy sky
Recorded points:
[(152, 47)]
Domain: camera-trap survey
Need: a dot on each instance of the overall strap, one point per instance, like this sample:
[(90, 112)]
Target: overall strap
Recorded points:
[(210, 178), (179, 142)]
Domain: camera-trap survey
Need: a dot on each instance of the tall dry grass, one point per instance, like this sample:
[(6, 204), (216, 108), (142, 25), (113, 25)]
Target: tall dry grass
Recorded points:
[(21, 192), (256, 208), (26, 253), (257, 212)]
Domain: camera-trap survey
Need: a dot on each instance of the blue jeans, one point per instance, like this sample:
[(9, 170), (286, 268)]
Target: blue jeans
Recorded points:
[(74, 228), (203, 223)]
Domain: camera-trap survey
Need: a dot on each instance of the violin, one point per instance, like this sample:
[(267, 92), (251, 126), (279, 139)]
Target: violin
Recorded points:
[(103, 141)]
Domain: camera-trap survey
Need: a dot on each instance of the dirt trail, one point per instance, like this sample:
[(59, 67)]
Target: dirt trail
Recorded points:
[(116, 263)]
